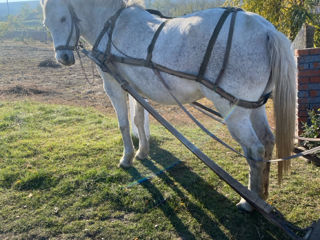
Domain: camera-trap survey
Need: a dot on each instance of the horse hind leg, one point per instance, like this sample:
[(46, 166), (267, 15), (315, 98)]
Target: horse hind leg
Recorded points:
[(139, 118), (261, 126), (240, 127)]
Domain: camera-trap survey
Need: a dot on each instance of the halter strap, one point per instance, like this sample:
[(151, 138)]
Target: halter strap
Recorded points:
[(74, 25)]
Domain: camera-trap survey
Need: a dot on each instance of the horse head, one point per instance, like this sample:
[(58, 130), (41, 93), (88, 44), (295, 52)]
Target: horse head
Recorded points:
[(61, 20)]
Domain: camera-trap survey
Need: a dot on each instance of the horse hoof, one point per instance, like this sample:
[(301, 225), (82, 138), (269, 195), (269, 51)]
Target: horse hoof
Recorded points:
[(125, 165), (126, 162), (141, 155), (244, 206)]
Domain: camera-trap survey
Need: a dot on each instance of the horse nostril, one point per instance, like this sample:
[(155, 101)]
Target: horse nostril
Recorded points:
[(65, 57)]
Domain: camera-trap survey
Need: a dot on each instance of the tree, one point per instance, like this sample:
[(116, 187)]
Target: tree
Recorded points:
[(175, 8), (11, 24), (287, 16), (4, 26)]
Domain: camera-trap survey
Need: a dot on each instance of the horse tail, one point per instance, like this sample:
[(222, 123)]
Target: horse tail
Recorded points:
[(283, 75)]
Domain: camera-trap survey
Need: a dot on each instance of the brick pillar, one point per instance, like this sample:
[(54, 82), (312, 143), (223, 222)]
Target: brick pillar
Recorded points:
[(308, 83)]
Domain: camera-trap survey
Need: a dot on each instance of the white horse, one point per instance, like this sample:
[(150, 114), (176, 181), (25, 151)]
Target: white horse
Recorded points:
[(259, 53)]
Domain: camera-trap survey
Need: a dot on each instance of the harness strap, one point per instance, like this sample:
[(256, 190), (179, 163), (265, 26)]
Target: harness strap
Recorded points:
[(213, 40), (157, 13), (211, 44), (108, 28), (102, 33), (141, 62), (113, 21), (105, 57), (228, 47), (153, 43)]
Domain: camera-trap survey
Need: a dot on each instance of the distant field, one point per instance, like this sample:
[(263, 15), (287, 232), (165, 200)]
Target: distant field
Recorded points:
[(15, 7), (59, 180)]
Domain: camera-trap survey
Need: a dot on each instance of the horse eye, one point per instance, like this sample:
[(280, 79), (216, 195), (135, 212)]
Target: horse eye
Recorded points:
[(63, 19)]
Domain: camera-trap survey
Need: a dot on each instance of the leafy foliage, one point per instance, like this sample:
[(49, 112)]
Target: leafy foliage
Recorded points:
[(312, 129), (181, 7), (287, 16), (28, 18)]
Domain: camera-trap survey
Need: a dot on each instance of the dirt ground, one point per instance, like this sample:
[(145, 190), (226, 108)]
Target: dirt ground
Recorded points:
[(28, 70)]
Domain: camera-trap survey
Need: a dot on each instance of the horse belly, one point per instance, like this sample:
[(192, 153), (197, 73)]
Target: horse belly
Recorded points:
[(151, 87)]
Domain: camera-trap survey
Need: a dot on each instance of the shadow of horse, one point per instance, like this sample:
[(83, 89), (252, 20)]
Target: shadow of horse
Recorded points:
[(240, 225)]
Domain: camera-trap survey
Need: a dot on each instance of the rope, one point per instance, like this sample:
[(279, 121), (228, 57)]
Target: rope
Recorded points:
[(307, 139), (307, 152)]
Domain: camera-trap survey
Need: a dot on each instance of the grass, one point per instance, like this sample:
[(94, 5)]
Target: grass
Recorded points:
[(59, 180)]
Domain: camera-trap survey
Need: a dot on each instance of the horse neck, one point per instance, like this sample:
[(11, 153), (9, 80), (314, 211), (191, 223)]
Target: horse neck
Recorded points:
[(93, 15)]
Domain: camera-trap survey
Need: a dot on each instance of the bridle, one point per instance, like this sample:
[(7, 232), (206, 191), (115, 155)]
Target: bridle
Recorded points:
[(74, 26)]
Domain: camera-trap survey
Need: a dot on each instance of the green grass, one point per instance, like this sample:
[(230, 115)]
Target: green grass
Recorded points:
[(59, 180)]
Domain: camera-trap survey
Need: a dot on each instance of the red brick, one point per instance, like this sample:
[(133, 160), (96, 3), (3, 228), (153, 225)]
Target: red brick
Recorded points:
[(303, 87), (302, 100), (301, 67), (313, 93), (301, 52), (315, 79), (316, 64), (303, 80), (309, 73), (314, 51)]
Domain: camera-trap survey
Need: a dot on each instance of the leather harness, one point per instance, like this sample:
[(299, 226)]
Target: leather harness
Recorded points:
[(107, 56)]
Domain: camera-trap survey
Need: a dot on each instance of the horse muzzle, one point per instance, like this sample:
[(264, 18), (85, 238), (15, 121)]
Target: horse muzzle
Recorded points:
[(65, 57)]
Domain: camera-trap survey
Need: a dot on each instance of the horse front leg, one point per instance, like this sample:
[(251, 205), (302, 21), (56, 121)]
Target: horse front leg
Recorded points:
[(118, 99)]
